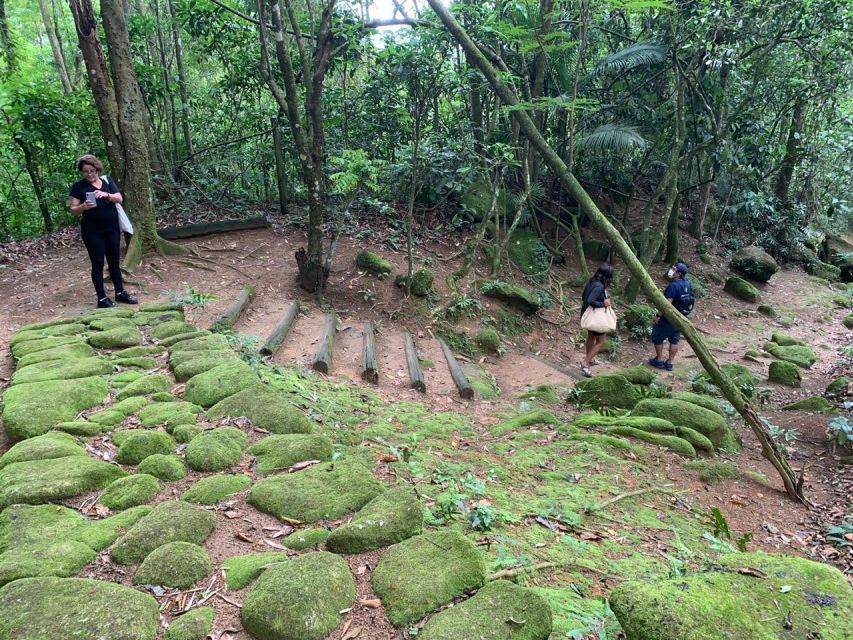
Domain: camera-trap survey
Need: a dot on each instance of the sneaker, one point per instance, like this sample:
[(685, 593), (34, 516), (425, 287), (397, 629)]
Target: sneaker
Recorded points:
[(106, 303), (667, 366), (125, 297), (657, 364), (586, 372)]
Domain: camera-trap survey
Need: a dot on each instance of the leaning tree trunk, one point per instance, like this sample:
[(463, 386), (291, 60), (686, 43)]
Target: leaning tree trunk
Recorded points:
[(32, 170), (680, 322), (795, 137), (58, 58)]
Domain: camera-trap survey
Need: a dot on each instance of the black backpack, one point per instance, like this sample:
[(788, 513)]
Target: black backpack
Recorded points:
[(686, 300)]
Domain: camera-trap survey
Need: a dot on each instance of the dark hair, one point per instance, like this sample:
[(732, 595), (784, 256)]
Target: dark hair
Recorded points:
[(89, 159), (604, 274)]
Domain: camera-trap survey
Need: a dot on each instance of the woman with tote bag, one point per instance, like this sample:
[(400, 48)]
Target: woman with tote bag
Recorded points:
[(597, 316)]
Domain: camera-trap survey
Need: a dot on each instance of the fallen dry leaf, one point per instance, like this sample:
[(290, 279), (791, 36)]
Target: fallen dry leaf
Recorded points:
[(371, 603)]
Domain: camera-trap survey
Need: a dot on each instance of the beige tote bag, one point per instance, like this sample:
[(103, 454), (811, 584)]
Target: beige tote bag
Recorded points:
[(599, 320)]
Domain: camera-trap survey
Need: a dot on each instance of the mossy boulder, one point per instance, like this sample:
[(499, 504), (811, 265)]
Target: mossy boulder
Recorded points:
[(513, 295), (488, 340), (138, 352), (686, 414), (279, 452), (32, 326), (848, 321), (184, 433), (823, 270), (61, 558), (241, 570), (171, 328), (122, 379), (23, 349), (611, 390), (126, 336), (107, 323), (543, 393), (817, 404), (767, 310), (146, 385), (130, 491), (214, 385), (299, 600), (754, 263), (175, 564), (203, 361), (741, 289), (740, 375), (596, 250), (389, 518), (142, 443), (166, 305), (82, 428), (373, 263), (786, 373), (107, 418), (800, 355), (173, 521), (323, 492), (26, 414), (64, 608), (422, 280), (169, 414), (306, 538), (838, 386), (650, 425), (39, 481), (501, 609), (71, 351), (136, 363), (703, 401), (61, 370), (183, 337), (212, 489), (195, 624), (713, 472), (638, 374), (419, 575), (265, 407), (529, 418), (780, 597), (216, 450), (168, 468), (52, 444), (784, 340), (66, 329), (526, 251), (130, 405), (205, 342), (673, 443)]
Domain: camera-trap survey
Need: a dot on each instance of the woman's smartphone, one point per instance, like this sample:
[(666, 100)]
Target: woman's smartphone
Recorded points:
[(90, 197)]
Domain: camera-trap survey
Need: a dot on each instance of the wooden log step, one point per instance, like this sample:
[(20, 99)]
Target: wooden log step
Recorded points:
[(323, 359), (416, 376), (204, 228), (228, 318), (465, 389), (369, 368), (279, 332)]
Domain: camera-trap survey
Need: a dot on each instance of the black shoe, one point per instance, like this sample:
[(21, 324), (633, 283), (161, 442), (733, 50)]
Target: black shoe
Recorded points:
[(125, 297), (106, 303)]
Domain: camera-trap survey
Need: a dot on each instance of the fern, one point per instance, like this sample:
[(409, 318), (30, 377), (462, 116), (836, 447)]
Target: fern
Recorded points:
[(613, 137), (641, 54)]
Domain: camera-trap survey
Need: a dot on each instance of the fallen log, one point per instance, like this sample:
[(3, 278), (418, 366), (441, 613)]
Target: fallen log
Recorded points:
[(416, 376), (369, 368), (228, 318), (205, 228), (465, 389), (323, 359), (279, 332)]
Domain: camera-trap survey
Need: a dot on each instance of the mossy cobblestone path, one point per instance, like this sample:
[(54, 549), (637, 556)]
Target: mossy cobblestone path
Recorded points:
[(309, 501)]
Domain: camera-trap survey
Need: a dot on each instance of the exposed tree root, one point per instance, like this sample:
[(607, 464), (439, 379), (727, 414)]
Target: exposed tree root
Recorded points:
[(606, 503)]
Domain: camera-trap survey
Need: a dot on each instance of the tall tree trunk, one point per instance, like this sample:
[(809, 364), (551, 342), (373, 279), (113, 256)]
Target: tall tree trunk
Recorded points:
[(58, 58), (182, 80), (410, 204), (31, 166), (789, 162), (768, 447), (280, 169), (672, 243), (171, 113), (697, 229), (6, 42)]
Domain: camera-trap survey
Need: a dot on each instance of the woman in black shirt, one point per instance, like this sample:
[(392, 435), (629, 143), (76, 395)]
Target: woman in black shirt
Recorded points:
[(94, 200), (595, 295)]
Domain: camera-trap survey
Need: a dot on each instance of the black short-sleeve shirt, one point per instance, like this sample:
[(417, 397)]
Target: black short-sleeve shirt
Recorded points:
[(102, 218)]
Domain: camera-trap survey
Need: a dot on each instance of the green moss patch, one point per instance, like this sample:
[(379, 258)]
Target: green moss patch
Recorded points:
[(306, 538), (167, 305), (23, 349), (786, 373), (741, 289), (543, 393), (124, 378), (212, 489), (713, 472), (77, 349), (81, 428), (638, 374), (299, 600), (52, 444), (650, 425), (818, 404), (686, 414), (501, 609), (62, 608), (130, 405), (106, 323), (793, 598), (216, 450), (61, 370), (422, 280), (169, 522), (196, 624), (208, 388), (62, 558), (800, 355), (138, 352), (373, 263), (26, 414), (172, 341), (673, 443), (423, 573), (168, 468), (241, 570), (140, 444), (703, 401), (389, 518), (205, 342), (171, 328), (203, 361), (184, 433), (65, 329), (607, 391), (838, 386), (146, 385), (784, 340), (537, 416), (130, 491), (755, 263), (169, 414), (488, 340), (99, 534), (136, 363), (323, 492), (515, 296), (608, 442), (175, 564), (128, 336), (265, 407), (279, 452)]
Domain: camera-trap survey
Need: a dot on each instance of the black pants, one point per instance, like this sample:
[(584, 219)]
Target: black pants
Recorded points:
[(100, 245)]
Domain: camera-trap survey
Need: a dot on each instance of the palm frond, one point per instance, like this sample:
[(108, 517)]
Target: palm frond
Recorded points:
[(613, 137), (640, 54)]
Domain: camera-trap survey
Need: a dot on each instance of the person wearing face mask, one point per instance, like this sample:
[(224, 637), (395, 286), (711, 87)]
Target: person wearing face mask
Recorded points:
[(679, 292)]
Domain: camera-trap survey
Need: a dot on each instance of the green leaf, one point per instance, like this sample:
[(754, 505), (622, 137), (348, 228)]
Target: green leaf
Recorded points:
[(641, 54), (613, 137), (785, 588)]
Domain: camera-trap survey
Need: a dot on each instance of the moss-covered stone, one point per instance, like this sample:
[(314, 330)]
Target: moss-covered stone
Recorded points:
[(146, 385), (130, 491), (421, 574), (28, 347), (70, 351), (41, 481), (26, 414), (673, 443), (686, 414), (611, 390), (754, 263), (196, 624), (703, 401), (373, 263), (501, 609), (175, 564), (300, 599), (61, 558), (64, 608), (786, 373), (112, 312), (166, 305), (838, 386), (107, 323), (140, 444), (741, 289), (608, 442), (153, 318), (214, 385), (279, 452), (173, 521), (543, 393), (767, 310), (515, 296), (130, 405), (65, 329), (422, 280), (184, 433), (172, 341), (205, 342), (107, 418), (138, 352), (122, 379), (99, 534), (784, 340), (793, 598), (169, 414), (817, 404), (323, 492), (638, 374), (488, 340), (216, 450), (389, 518), (713, 472), (136, 363), (33, 326), (52, 444), (162, 396), (171, 328), (168, 468), (201, 362), (306, 538), (823, 270), (114, 338), (212, 489), (800, 355), (61, 370), (81, 428), (648, 424), (537, 416), (265, 407), (241, 570)]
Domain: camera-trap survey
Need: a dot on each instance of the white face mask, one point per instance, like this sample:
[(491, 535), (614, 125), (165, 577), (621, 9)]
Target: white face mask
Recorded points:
[(670, 274)]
